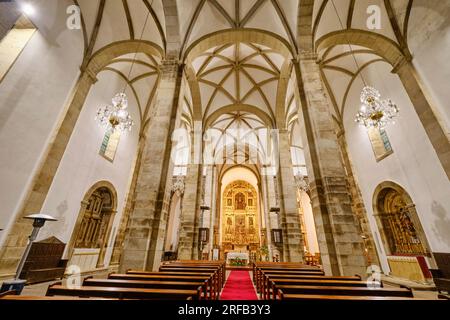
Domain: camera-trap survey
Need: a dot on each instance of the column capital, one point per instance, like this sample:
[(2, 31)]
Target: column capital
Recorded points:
[(307, 55), (400, 63), (89, 73)]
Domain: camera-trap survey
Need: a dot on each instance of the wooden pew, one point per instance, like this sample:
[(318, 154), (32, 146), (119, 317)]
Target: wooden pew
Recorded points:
[(123, 293), (37, 298), (344, 291), (268, 286), (218, 276), (271, 289), (257, 269), (305, 297), (220, 267), (262, 274), (214, 289), (182, 263), (149, 285)]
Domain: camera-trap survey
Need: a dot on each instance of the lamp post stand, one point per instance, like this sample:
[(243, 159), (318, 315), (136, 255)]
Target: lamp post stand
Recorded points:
[(18, 284)]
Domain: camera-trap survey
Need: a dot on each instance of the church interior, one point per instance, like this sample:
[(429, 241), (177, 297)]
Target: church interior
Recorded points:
[(225, 149)]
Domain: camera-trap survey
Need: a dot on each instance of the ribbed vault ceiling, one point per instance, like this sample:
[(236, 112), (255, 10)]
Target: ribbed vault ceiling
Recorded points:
[(243, 73)]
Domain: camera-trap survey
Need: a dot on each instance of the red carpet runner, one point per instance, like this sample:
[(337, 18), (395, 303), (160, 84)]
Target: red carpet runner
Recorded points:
[(239, 286)]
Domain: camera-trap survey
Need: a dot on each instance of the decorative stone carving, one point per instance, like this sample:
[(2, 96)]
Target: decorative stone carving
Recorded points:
[(178, 185), (302, 182)]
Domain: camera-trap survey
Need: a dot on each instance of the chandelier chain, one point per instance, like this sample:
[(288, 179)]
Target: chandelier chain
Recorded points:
[(350, 46), (138, 47)]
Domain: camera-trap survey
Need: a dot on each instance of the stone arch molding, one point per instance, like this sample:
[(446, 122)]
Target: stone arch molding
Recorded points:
[(419, 95), (83, 204), (378, 194), (381, 45)]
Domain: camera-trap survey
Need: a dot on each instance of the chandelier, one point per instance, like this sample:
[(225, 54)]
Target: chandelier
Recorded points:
[(115, 117), (374, 112)]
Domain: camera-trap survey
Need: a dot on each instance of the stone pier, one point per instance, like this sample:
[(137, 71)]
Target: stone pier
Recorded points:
[(144, 240), (340, 243)]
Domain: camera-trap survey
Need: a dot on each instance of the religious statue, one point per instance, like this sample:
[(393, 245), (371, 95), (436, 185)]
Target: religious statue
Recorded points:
[(240, 202)]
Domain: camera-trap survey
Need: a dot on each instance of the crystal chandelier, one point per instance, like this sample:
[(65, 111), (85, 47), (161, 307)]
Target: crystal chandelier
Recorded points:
[(374, 112), (115, 117)]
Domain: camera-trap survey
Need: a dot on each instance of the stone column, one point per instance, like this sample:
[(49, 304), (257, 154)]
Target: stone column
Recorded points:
[(144, 240), (340, 243), (272, 218), (290, 219), (358, 204), (439, 138), (210, 192), (128, 209), (187, 248)]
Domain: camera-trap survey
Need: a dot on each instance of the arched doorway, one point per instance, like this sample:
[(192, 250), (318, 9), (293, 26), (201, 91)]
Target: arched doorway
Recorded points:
[(173, 222), (403, 238), (308, 226), (92, 230)]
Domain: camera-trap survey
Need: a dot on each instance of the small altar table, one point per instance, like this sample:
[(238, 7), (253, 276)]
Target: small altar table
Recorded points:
[(237, 255)]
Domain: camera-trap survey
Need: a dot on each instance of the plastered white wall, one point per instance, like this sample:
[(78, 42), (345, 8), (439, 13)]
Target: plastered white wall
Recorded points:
[(429, 42), (413, 165), (82, 166), (32, 97)]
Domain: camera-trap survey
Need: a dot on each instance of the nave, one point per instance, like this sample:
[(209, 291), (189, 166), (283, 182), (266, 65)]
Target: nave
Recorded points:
[(210, 280), (224, 149)]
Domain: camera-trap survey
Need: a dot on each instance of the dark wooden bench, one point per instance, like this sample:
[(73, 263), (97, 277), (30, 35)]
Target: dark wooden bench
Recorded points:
[(150, 285), (44, 262), (271, 291), (305, 297), (262, 276), (257, 271), (220, 268), (196, 263), (344, 291), (38, 298), (441, 276), (212, 286), (267, 285), (218, 276), (123, 293)]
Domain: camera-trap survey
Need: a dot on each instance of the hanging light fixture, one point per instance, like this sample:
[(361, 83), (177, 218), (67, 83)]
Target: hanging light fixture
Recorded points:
[(115, 117), (374, 112)]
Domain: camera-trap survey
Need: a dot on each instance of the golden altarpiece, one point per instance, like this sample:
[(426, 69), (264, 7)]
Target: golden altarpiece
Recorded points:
[(240, 223)]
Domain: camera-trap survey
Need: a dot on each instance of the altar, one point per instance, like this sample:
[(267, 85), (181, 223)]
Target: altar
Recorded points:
[(235, 257)]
